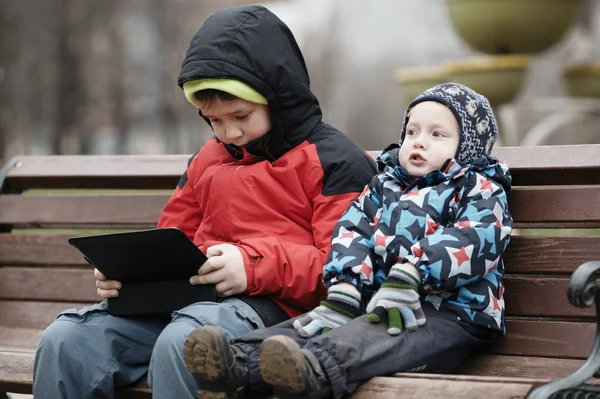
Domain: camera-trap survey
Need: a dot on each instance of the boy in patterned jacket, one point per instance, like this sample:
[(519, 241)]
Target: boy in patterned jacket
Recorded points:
[(414, 276)]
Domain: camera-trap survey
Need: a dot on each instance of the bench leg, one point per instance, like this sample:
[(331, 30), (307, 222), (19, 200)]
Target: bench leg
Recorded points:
[(583, 292), (3, 395)]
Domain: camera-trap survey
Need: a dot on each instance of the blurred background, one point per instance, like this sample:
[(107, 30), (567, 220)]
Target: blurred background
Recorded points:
[(100, 77)]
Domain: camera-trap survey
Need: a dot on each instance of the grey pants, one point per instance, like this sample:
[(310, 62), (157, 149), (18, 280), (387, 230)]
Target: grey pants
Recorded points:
[(88, 353), (354, 353)]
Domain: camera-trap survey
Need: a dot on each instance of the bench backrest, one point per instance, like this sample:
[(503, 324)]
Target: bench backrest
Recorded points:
[(555, 203)]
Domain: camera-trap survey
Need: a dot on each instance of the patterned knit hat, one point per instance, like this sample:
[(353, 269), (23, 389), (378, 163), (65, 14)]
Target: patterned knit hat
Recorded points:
[(476, 121)]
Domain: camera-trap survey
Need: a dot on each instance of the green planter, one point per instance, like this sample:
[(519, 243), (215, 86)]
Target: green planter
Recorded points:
[(512, 26), (499, 78), (415, 80), (583, 80)]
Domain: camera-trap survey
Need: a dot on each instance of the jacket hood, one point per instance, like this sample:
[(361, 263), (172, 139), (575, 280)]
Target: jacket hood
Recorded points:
[(251, 44), (494, 169)]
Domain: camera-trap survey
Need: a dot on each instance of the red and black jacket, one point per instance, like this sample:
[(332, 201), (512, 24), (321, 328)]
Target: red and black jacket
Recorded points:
[(279, 198)]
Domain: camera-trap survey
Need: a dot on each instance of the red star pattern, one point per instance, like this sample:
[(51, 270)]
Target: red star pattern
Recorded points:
[(375, 221), (366, 270), (418, 252), (496, 305), (432, 227), (347, 235), (461, 256), (486, 185), (380, 240)]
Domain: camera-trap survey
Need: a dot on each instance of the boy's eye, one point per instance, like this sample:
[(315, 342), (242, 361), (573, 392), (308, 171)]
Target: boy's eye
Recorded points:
[(438, 134), (241, 117), (412, 132), (215, 120)]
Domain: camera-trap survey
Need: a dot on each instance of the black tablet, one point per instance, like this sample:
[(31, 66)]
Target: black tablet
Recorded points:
[(144, 256)]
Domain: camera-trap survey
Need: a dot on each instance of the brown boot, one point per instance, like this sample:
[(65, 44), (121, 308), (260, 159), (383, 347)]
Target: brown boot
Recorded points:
[(210, 358), (292, 372)]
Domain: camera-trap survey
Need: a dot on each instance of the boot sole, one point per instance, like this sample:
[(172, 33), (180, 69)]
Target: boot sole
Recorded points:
[(282, 364), (203, 394), (204, 353)]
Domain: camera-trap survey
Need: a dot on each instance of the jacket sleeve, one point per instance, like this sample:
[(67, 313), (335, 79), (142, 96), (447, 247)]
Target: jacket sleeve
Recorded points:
[(289, 271), (182, 210), (292, 272), (464, 252), (352, 258)]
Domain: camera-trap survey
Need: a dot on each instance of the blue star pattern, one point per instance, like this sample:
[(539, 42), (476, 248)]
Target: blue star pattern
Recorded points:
[(453, 225)]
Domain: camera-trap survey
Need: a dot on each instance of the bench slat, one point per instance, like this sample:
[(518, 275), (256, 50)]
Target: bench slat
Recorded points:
[(38, 314), (538, 368), (78, 285), (47, 284), (81, 210), (39, 249), (16, 376), (571, 164), (536, 206), (530, 206), (526, 337), (545, 255), (550, 295), (108, 171), (436, 387)]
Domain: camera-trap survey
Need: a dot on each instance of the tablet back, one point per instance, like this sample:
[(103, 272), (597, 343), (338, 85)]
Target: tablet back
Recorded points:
[(165, 254)]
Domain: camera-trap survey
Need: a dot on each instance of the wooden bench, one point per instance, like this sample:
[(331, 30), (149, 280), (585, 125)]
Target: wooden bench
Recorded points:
[(548, 338)]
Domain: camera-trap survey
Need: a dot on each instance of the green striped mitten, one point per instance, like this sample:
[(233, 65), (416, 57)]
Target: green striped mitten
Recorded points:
[(342, 305), (398, 300)]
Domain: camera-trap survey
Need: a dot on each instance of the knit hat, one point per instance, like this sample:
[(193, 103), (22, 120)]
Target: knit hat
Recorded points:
[(231, 86), (473, 112)]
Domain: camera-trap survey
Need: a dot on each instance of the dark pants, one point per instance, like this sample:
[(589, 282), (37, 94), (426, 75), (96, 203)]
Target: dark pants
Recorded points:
[(354, 353)]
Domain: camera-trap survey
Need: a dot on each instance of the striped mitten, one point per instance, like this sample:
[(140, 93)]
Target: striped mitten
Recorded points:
[(342, 305), (398, 300)]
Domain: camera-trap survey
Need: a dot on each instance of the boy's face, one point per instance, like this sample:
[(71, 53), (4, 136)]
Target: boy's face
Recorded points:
[(432, 135), (237, 122)]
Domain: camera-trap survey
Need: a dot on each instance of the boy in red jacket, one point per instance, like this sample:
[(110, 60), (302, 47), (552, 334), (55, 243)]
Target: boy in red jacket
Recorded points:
[(261, 199)]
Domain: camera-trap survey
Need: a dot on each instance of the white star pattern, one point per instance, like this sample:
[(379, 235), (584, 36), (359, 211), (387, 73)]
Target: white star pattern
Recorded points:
[(484, 187), (465, 266), (345, 237), (494, 308), (418, 197)]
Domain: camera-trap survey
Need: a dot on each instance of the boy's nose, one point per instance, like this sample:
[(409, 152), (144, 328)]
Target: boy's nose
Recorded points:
[(234, 133)]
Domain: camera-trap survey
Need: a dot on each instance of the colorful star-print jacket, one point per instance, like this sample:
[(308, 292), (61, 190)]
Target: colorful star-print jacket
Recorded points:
[(453, 225)]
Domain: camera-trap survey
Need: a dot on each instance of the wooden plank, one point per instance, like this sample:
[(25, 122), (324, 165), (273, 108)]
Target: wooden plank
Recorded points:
[(77, 210), (47, 284), (33, 314), (20, 339), (546, 254), (542, 369), (555, 205), (38, 249), (528, 205), (98, 171), (16, 376), (418, 388), (78, 285), (573, 164), (541, 297), (570, 340)]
